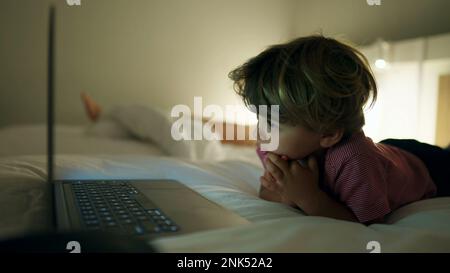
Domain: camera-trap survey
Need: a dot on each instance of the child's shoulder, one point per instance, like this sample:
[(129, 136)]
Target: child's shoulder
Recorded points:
[(350, 160), (356, 147)]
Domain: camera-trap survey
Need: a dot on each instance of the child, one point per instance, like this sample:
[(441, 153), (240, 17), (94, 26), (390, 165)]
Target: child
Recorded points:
[(321, 87)]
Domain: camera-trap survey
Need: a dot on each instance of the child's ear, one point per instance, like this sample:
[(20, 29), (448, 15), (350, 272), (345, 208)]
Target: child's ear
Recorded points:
[(329, 139)]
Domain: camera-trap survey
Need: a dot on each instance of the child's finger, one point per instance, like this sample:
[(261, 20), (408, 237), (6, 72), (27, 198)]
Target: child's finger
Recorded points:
[(283, 165), (271, 178), (267, 184), (274, 170), (268, 176)]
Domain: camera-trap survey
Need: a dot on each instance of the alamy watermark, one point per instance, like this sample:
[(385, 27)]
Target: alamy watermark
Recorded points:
[(74, 247), (73, 2), (182, 127), (374, 247), (373, 2)]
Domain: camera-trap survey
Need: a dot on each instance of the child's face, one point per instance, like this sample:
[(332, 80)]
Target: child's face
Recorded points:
[(297, 142)]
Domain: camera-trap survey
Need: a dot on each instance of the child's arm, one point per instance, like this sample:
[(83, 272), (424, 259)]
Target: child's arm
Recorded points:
[(300, 184), (322, 204)]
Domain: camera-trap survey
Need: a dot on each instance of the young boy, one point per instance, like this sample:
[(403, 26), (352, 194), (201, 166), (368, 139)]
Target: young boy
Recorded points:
[(321, 87)]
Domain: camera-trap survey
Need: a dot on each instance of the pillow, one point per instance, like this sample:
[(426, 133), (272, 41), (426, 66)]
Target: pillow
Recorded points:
[(154, 124)]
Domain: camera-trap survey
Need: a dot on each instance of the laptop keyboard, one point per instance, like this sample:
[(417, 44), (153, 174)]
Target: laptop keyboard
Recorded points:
[(113, 206)]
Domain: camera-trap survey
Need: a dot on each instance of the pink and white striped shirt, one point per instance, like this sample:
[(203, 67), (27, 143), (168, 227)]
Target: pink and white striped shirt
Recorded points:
[(373, 179)]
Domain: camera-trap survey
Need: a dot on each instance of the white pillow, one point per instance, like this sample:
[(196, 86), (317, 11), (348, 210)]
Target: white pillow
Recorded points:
[(154, 124)]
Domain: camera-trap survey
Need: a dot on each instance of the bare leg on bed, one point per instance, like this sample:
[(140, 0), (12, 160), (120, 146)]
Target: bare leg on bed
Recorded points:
[(93, 110)]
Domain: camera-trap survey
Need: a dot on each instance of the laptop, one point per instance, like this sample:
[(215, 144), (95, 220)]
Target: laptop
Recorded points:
[(143, 208)]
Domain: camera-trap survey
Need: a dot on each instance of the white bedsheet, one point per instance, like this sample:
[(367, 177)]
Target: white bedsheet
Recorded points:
[(26, 206)]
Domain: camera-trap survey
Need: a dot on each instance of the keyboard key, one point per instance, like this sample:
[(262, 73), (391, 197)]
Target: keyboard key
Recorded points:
[(127, 221), (87, 212), (92, 223), (173, 228), (170, 228), (107, 219), (153, 212), (105, 213), (124, 216), (111, 224), (139, 230), (158, 217)]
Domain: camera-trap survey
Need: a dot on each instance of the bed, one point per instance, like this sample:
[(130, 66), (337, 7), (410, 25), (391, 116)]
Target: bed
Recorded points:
[(125, 146)]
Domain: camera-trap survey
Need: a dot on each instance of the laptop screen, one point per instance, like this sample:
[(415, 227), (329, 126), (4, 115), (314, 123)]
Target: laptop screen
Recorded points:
[(50, 95)]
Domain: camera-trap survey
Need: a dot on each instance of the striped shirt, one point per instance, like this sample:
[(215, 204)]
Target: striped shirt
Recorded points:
[(373, 179)]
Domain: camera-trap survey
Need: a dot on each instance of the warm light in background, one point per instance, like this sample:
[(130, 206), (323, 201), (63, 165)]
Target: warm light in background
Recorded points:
[(241, 115), (381, 64), (407, 74)]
